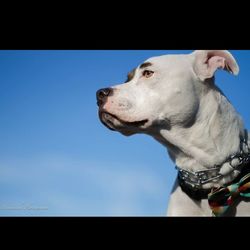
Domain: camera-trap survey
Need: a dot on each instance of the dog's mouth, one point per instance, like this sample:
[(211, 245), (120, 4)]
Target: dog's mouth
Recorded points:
[(115, 123)]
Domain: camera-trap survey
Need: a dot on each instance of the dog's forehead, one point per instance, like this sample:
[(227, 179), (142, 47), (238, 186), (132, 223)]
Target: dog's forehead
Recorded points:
[(168, 60)]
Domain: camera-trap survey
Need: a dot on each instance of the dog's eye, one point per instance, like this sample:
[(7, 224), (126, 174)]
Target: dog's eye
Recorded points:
[(147, 73)]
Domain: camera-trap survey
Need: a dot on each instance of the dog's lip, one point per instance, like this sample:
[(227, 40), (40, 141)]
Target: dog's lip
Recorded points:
[(126, 123), (107, 124)]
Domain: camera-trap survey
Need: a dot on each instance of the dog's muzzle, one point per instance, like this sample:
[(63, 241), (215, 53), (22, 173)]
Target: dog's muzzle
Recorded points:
[(112, 121)]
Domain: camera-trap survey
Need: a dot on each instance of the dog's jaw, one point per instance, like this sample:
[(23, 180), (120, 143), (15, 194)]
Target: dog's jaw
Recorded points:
[(127, 128)]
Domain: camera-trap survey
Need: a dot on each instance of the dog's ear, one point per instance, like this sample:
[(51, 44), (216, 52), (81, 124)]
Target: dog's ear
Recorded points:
[(206, 62)]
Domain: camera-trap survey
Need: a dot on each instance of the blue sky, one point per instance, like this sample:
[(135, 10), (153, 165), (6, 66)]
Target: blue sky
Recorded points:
[(56, 158)]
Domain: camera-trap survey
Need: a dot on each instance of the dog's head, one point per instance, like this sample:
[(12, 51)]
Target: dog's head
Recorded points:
[(162, 92)]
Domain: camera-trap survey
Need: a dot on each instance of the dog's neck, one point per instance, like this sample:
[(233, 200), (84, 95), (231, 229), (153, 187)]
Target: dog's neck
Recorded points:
[(212, 137)]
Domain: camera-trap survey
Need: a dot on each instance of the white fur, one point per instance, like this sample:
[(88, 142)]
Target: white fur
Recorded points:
[(186, 113)]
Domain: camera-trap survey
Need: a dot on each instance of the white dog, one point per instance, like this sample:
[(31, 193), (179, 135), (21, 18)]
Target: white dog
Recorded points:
[(174, 99)]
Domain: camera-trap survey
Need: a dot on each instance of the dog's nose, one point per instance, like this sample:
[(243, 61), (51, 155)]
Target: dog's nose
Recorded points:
[(102, 94)]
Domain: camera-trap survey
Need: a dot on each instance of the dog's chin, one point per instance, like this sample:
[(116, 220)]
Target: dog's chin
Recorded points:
[(114, 123)]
